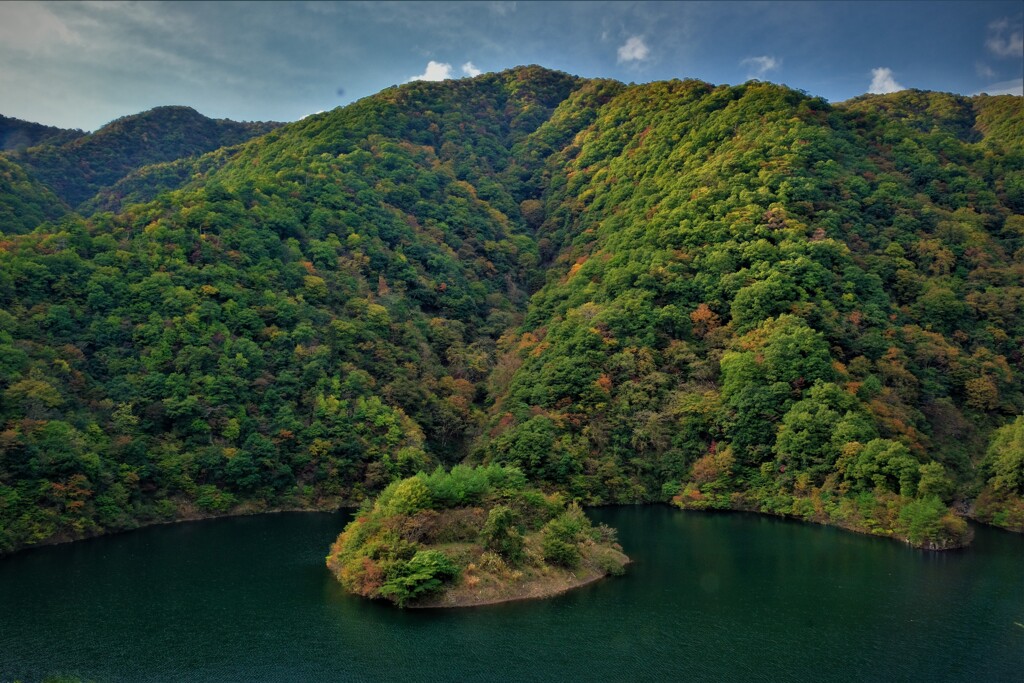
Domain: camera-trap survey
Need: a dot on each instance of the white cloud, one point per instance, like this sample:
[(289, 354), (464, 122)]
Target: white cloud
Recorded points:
[(33, 28), (762, 65), (502, 8), (470, 70), (634, 50), (1005, 41), (984, 70), (106, 5), (313, 114), (1014, 87), (435, 71), (882, 81)]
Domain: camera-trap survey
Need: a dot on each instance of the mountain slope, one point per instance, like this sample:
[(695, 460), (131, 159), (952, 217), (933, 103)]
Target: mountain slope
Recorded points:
[(303, 328), (145, 184), (24, 202), (741, 297), (766, 302)]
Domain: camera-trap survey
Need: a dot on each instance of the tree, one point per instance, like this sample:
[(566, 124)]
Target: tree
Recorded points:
[(502, 535), (1006, 457), (923, 519), (424, 574), (886, 465), (815, 429), (36, 396), (774, 365), (406, 497)]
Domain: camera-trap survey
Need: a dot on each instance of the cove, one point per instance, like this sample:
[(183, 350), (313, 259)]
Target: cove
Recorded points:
[(723, 596)]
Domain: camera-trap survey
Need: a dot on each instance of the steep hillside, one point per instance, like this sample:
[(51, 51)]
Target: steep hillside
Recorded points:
[(765, 302), (145, 184), (742, 297), (24, 202), (78, 169)]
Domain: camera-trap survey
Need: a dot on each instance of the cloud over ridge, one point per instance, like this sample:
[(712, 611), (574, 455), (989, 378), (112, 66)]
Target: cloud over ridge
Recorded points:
[(634, 50), (762, 65), (1005, 41), (1011, 87), (883, 81), (435, 71)]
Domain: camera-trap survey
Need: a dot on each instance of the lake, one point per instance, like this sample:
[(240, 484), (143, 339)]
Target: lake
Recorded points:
[(709, 597)]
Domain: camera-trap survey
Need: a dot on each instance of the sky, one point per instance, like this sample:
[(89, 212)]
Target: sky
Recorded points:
[(83, 64)]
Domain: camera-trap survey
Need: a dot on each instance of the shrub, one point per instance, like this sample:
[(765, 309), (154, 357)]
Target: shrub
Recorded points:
[(405, 497), (608, 561), (502, 535), (923, 520), (534, 509), (557, 551), (562, 535), (209, 497), (465, 485), (425, 573)]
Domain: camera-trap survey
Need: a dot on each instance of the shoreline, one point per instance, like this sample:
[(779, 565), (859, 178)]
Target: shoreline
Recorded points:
[(521, 596), (194, 516), (848, 527), (845, 528), (62, 539)]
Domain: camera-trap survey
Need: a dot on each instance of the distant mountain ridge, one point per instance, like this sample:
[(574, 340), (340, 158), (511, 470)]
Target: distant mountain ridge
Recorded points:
[(17, 135), (727, 297), (78, 168), (970, 119)]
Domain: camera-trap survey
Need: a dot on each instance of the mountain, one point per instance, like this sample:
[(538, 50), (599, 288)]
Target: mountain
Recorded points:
[(77, 169), (766, 302), (17, 135), (729, 297)]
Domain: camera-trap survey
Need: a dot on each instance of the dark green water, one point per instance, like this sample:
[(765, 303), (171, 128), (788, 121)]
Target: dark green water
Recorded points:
[(710, 597)]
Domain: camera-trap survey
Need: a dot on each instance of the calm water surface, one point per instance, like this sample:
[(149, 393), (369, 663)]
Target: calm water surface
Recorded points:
[(710, 597)]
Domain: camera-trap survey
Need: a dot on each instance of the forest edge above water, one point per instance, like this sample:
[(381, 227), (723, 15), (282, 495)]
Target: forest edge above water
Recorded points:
[(731, 297)]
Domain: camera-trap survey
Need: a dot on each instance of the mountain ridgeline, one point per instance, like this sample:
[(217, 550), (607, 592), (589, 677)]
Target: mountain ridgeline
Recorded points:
[(17, 135), (78, 167), (731, 297)]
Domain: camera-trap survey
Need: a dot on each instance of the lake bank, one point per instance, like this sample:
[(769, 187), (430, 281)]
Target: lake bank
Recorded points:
[(535, 587)]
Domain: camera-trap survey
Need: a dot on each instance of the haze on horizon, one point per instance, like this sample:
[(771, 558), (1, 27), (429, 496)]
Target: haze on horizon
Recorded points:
[(82, 64)]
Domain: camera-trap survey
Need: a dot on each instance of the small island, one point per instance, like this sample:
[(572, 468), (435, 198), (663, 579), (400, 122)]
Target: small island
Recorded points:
[(471, 536)]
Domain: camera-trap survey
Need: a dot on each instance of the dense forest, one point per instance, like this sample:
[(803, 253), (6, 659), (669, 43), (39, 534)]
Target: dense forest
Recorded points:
[(735, 297)]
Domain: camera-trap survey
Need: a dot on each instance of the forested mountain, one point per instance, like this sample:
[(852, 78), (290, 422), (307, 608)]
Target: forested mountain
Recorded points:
[(742, 297), (76, 169), (16, 135), (763, 301)]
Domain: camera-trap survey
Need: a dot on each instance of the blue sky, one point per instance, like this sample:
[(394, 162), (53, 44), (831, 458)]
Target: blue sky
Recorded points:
[(82, 64)]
